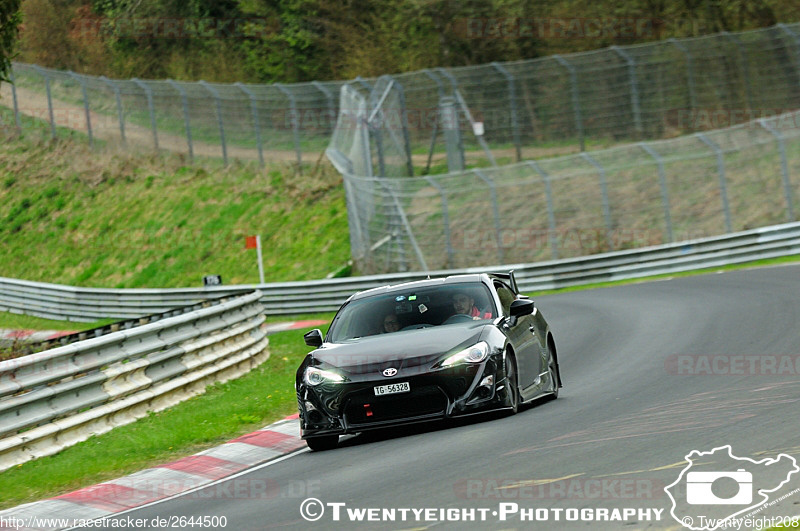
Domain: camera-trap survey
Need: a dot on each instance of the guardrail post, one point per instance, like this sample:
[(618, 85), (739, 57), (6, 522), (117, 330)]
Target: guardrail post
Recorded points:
[(295, 122), (662, 181), (149, 94), (723, 189), (689, 71), (637, 116), (787, 185), (575, 96), (46, 76), (445, 220), (742, 65), (82, 83), (187, 125), (604, 191), (118, 98), (512, 105), (14, 98), (256, 124), (551, 216), (218, 102), (495, 211), (440, 92)]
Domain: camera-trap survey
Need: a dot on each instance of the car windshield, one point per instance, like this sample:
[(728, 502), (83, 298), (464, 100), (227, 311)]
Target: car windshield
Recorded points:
[(401, 310)]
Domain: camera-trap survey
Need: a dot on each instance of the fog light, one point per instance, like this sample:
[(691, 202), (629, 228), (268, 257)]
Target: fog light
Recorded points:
[(487, 382)]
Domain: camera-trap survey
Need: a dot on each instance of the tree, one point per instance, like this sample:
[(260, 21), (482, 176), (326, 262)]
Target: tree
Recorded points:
[(9, 29)]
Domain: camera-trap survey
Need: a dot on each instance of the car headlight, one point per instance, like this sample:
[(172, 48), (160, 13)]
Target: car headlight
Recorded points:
[(314, 376), (474, 354)]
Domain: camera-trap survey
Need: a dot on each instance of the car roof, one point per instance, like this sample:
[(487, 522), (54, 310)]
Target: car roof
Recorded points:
[(452, 279)]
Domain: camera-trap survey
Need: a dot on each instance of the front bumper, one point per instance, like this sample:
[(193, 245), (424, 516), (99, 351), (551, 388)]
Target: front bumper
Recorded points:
[(352, 407)]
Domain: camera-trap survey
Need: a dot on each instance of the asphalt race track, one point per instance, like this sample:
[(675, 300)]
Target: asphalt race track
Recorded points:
[(651, 372)]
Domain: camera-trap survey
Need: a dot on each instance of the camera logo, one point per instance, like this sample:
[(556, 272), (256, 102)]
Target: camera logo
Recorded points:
[(699, 488)]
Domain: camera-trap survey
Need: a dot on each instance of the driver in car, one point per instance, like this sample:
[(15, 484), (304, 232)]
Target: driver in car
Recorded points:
[(465, 305)]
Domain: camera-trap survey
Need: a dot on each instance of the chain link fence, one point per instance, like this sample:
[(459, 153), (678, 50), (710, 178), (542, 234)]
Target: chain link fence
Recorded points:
[(632, 196), (498, 113)]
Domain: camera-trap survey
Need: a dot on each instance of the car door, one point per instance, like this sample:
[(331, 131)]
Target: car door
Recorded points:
[(522, 335)]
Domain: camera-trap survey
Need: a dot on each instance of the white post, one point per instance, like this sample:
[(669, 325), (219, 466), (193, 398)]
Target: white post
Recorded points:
[(260, 261)]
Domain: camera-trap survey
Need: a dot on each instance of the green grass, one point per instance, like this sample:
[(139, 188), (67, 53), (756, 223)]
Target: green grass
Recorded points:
[(15, 321), (224, 412), (72, 215)]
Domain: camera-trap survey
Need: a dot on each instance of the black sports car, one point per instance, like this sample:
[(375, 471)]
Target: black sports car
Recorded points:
[(425, 350)]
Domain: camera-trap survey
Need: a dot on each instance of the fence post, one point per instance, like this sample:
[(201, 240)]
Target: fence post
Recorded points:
[(512, 104), (256, 124), (637, 116), (445, 220), (329, 98), (723, 189), (551, 216), (440, 91), (493, 194), (187, 125), (604, 191), (14, 98), (82, 83), (404, 125), (44, 74), (149, 93), (448, 114), (689, 71), (295, 123), (742, 65), (218, 103), (449, 76), (576, 104), (364, 83), (662, 181), (120, 115), (787, 185)]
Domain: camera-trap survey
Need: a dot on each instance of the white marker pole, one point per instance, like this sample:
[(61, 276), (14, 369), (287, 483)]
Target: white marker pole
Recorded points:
[(260, 261)]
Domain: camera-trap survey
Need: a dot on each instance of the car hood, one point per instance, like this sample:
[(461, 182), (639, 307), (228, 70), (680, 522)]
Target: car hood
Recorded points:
[(401, 350)]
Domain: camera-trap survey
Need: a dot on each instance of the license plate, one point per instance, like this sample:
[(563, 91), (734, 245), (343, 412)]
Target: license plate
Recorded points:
[(401, 387)]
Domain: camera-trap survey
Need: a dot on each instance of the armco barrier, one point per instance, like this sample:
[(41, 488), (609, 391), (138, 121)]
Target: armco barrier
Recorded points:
[(121, 376), (286, 298)]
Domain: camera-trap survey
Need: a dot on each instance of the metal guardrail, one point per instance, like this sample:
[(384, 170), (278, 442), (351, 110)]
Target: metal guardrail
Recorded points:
[(286, 298), (56, 398)]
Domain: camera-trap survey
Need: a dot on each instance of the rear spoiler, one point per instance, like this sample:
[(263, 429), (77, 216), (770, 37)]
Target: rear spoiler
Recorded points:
[(508, 277)]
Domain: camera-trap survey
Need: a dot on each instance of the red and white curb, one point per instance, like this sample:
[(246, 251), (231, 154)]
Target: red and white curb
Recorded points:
[(31, 336), (163, 481)]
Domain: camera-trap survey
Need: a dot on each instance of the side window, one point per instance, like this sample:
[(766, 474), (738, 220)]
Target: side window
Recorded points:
[(506, 296)]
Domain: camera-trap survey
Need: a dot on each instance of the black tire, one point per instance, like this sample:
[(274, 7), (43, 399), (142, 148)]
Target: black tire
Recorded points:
[(322, 443), (552, 369), (512, 390)]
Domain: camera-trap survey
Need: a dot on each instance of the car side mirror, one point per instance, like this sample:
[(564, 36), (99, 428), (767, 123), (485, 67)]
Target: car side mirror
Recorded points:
[(521, 307), (313, 338)]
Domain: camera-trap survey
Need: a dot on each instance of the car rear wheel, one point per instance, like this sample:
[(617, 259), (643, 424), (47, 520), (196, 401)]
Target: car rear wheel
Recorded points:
[(324, 442), (552, 369), (512, 392)]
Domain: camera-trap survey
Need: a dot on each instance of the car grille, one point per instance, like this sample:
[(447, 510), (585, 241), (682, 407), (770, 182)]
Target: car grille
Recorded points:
[(364, 408)]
